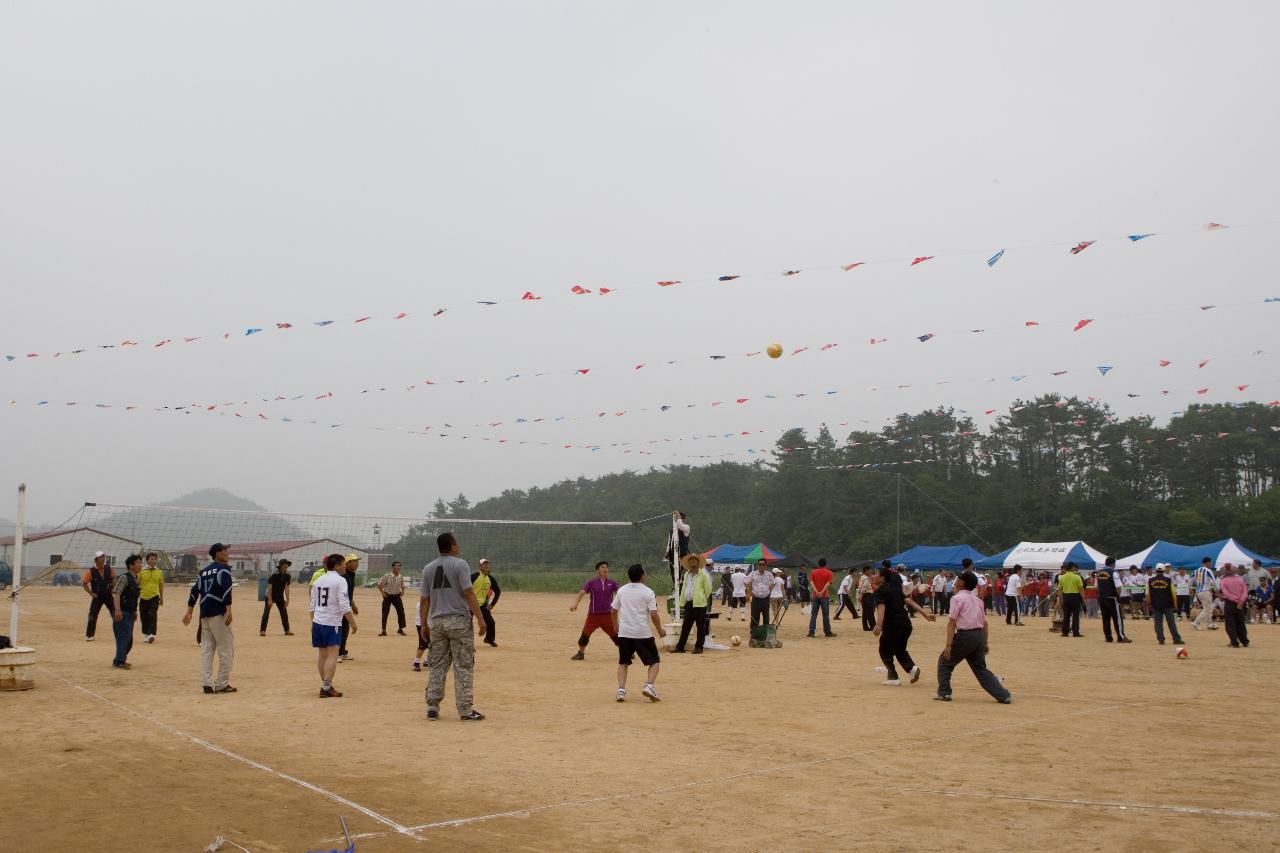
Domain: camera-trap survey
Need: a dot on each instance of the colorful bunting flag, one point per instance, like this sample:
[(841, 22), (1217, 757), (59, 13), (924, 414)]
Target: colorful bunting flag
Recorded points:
[(922, 259), (728, 277), (791, 272), (923, 338), (847, 267), (1104, 369), (995, 259), (667, 283), (1080, 324), (1136, 237), (1081, 246), (529, 297), (578, 289), (247, 333)]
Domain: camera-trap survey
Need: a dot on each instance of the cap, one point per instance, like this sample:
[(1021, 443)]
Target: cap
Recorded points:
[(214, 549), (901, 567), (352, 558), (284, 563), (98, 554), (1160, 567), (484, 559), (777, 571)]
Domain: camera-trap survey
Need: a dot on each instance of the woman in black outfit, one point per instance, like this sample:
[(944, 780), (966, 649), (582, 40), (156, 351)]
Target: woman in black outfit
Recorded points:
[(893, 626)]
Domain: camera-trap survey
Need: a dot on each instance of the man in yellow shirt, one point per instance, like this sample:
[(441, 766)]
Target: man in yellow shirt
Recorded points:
[(697, 600), (151, 581), (487, 591), (1071, 586)]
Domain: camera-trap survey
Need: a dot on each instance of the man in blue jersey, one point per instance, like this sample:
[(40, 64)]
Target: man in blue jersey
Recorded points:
[(212, 588)]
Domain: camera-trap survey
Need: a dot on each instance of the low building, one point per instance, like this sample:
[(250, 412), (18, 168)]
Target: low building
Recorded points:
[(261, 557), (42, 550)]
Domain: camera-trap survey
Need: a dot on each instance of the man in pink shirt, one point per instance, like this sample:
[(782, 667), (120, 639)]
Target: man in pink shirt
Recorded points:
[(1235, 592), (967, 640)]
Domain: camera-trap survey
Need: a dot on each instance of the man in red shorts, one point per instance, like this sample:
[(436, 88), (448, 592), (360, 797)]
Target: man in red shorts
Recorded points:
[(600, 610)]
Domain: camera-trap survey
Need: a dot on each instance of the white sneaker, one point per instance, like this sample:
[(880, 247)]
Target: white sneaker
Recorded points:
[(622, 694), (915, 674), (651, 693), (88, 639), (893, 682)]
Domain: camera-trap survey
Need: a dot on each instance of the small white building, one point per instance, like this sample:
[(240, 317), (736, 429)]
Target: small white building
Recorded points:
[(261, 557), (42, 550)]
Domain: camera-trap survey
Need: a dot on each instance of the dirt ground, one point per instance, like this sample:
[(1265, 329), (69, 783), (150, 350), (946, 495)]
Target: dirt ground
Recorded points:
[(1105, 747)]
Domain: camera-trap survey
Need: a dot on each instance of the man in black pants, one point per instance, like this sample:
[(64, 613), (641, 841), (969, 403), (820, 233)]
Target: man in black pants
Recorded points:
[(1163, 602), (846, 595), (487, 592), (97, 582), (866, 595), (277, 594), (1013, 597), (349, 569), (1071, 587), (1109, 602), (759, 586), (392, 589)]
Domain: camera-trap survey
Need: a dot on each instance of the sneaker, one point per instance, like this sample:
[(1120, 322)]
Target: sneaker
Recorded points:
[(226, 688), (1124, 640), (288, 633), (697, 651), (677, 651), (487, 643), (122, 665), (943, 697), (329, 693), (622, 694), (650, 693), (579, 656), (382, 634), (208, 689), (345, 658), (400, 631), (892, 682), (810, 636), (915, 674), (829, 634), (417, 667), (88, 639), (262, 633), (433, 713), (474, 715), (1108, 639), (151, 638), (1008, 700)]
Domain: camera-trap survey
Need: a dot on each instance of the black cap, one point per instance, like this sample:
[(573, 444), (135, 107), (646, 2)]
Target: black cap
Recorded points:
[(215, 548), (284, 563)]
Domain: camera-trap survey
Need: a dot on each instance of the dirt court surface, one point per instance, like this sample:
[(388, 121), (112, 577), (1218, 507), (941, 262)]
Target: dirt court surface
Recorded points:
[(1105, 747)]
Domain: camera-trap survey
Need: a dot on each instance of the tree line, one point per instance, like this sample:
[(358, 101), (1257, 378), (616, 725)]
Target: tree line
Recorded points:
[(1051, 468)]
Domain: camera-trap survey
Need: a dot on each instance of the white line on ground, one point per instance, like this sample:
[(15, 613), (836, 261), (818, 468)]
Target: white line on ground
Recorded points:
[(797, 765), (212, 747)]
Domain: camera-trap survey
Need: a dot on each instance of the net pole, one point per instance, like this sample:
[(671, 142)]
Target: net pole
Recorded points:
[(19, 532)]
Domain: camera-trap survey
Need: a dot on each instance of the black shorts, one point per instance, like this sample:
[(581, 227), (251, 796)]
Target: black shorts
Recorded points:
[(646, 648), (738, 601)]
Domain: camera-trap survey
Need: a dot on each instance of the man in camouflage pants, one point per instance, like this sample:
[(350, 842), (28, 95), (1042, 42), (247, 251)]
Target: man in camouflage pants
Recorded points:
[(446, 607)]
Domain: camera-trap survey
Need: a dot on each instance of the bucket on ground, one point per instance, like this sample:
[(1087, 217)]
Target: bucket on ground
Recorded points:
[(17, 668)]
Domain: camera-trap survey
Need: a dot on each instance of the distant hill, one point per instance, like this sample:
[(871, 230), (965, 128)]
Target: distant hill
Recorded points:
[(207, 516)]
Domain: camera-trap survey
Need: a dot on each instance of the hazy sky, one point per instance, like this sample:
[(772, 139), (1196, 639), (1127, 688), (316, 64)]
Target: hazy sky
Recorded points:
[(172, 169)]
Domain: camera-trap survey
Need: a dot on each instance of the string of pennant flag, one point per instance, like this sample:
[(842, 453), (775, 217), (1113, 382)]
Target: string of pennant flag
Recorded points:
[(243, 407), (571, 292)]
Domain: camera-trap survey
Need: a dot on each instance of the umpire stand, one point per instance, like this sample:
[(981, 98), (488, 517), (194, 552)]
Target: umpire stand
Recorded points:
[(17, 663)]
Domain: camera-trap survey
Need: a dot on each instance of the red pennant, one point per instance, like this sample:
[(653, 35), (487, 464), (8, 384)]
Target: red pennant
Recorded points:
[(1203, 363), (529, 297), (1164, 362), (742, 399), (362, 319), (922, 259), (1081, 324), (578, 289), (1031, 323), (1241, 387), (1081, 246), (847, 267), (605, 290), (401, 315), (439, 311), (667, 283), (1203, 391), (584, 370), (284, 325)]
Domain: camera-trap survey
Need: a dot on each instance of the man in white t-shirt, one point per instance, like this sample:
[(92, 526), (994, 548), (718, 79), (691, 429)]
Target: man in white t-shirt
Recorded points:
[(1138, 593), (846, 595), (1013, 597), (635, 617), (777, 594), (1182, 589), (738, 601), (939, 587), (330, 606)]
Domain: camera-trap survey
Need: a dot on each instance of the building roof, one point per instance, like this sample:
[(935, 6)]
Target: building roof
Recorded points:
[(249, 548), (49, 534)]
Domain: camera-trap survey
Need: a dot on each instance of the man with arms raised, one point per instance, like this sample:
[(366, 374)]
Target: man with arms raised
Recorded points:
[(446, 608)]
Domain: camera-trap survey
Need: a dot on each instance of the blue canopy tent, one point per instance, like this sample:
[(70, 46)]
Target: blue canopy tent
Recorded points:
[(1221, 552), (1160, 552), (942, 557)]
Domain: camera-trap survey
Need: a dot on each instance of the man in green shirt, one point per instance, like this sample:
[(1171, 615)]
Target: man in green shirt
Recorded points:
[(697, 596), (1071, 586)]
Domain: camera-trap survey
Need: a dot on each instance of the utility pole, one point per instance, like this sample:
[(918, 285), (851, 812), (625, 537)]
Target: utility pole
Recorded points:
[(897, 548)]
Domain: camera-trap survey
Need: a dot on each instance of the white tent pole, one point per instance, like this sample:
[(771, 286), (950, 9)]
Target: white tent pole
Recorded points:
[(19, 531)]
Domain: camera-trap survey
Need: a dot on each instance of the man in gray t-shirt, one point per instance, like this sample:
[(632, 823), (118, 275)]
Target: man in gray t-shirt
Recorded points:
[(446, 607)]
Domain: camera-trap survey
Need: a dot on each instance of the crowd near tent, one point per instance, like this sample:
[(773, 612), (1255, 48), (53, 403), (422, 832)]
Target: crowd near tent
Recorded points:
[(1046, 556), (743, 553), (942, 557)]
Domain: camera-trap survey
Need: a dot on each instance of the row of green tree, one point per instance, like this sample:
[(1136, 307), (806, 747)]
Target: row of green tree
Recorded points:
[(1049, 469)]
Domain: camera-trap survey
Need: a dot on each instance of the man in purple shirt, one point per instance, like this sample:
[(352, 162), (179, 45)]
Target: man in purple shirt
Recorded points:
[(600, 610), (1235, 592), (967, 640)]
